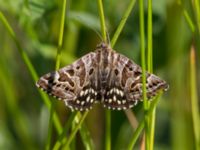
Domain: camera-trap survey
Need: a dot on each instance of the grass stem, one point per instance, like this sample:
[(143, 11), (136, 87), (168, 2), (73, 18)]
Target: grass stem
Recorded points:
[(196, 5), (102, 20), (150, 69), (58, 57), (62, 137), (194, 99), (122, 22), (108, 130), (142, 123), (72, 135), (142, 44)]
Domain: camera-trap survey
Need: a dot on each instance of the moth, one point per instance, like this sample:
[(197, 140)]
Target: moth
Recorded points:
[(103, 76)]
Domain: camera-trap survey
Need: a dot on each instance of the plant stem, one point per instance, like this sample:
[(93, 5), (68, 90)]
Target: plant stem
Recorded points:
[(149, 40), (108, 130), (189, 21), (102, 20), (60, 40), (62, 137), (58, 57), (196, 6), (142, 44), (150, 69), (142, 123), (122, 22), (194, 99), (187, 17), (72, 135)]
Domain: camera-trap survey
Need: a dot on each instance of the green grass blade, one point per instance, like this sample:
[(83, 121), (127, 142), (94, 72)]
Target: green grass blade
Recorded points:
[(102, 19), (142, 44), (62, 137), (30, 67), (149, 38), (108, 130), (72, 135), (150, 69), (60, 39), (196, 5), (86, 139), (141, 125), (58, 58), (189, 21), (194, 99), (187, 18), (122, 22)]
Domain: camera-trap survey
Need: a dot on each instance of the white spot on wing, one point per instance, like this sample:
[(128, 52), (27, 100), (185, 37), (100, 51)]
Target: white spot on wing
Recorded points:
[(82, 103), (119, 108), (114, 98), (92, 100), (88, 99), (119, 102), (123, 101), (82, 93)]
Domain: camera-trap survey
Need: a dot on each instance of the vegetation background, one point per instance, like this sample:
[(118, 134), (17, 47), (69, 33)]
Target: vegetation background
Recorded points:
[(29, 35)]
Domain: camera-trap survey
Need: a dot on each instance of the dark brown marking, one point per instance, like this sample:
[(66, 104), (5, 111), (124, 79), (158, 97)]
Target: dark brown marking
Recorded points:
[(54, 83), (136, 82), (91, 71), (137, 73), (124, 76), (116, 72), (66, 88), (81, 73), (77, 67), (129, 65), (71, 72), (64, 78), (58, 85)]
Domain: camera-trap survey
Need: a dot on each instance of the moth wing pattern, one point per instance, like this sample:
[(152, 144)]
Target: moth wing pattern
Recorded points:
[(132, 74), (125, 84), (75, 84)]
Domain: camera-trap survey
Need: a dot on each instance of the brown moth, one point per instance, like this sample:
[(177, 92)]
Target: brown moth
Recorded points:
[(103, 76)]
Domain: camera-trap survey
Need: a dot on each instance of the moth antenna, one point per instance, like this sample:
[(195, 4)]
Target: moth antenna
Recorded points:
[(107, 38), (89, 26)]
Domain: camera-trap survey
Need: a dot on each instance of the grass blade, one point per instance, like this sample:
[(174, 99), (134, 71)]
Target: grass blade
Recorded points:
[(102, 19), (30, 68), (194, 99), (58, 57), (122, 22), (108, 130), (196, 6), (72, 135), (142, 44), (62, 137), (142, 123), (150, 69)]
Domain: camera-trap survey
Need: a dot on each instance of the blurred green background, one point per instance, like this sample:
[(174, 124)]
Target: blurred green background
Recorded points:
[(23, 114)]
